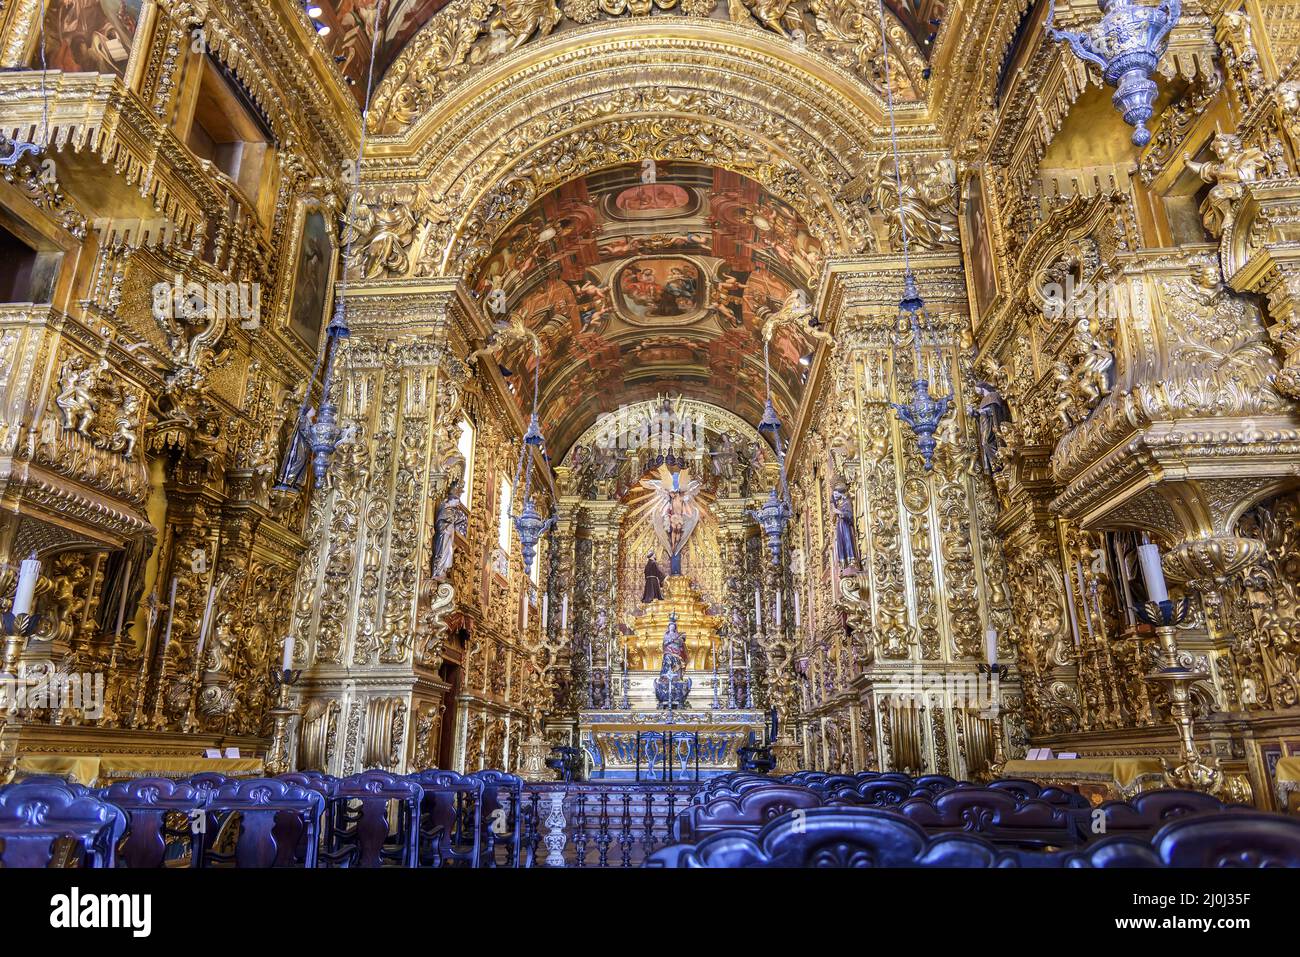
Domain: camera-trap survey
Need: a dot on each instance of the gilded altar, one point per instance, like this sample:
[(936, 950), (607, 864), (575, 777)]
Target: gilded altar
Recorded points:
[(700, 629)]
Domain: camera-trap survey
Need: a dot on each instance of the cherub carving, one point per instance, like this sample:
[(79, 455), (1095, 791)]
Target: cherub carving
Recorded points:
[(126, 427), (795, 311), (76, 398), (505, 333), (520, 19), (1233, 166), (776, 15)]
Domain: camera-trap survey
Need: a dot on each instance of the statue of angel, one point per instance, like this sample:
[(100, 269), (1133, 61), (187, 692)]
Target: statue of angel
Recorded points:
[(795, 311)]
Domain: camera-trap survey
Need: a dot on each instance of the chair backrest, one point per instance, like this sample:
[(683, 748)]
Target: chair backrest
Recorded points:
[(1018, 786), (208, 780), (837, 837), (874, 792), (376, 822), (749, 810), (1230, 839), (502, 822), (996, 815), (934, 783), (37, 812), (262, 839), (150, 837), (451, 818)]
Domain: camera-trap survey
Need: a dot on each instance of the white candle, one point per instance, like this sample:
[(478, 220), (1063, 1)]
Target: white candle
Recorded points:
[(991, 644), (287, 662), (564, 614), (171, 614), (525, 603), (121, 604), (1152, 573), (758, 612), (778, 608), (206, 621), (546, 607), (797, 620), (28, 572), (1083, 598)]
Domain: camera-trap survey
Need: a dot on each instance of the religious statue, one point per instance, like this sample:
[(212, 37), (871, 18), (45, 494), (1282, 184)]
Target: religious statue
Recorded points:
[(126, 426), (599, 688), (846, 533), (724, 456), (672, 686), (450, 519), (654, 580), (992, 412), (520, 19), (506, 332), (76, 399), (1233, 165), (922, 202), (382, 233), (776, 15), (673, 512), (293, 469), (739, 689), (796, 311)]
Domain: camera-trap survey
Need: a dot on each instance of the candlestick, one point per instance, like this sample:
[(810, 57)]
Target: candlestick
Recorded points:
[(1152, 573), (171, 614), (1083, 599), (288, 652), (28, 573), (121, 602)]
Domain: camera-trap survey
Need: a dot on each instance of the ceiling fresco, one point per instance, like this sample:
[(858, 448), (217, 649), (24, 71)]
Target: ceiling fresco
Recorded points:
[(352, 28), (637, 289)]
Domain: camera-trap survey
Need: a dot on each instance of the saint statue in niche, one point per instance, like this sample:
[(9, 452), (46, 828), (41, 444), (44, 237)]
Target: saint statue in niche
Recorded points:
[(846, 534), (654, 580), (450, 519)]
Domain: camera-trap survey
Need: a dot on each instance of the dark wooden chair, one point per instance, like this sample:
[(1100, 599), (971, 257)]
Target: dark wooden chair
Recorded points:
[(502, 823), (373, 821), (166, 822), (254, 813), (835, 837), (451, 819), (1230, 839), (39, 816)]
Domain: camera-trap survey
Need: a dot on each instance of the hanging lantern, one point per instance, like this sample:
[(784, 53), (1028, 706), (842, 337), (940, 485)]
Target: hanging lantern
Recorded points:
[(774, 514), (1127, 44), (772, 518), (530, 527), (923, 412)]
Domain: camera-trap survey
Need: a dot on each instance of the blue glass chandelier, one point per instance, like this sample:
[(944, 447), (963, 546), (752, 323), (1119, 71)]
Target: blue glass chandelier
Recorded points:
[(319, 428), (923, 412), (529, 524), (1127, 44), (774, 514)]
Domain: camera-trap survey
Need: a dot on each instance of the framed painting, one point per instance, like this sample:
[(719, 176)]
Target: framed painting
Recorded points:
[(312, 277)]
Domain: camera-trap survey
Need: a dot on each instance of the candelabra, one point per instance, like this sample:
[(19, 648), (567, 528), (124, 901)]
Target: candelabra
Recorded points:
[(277, 755), (993, 714), (1193, 773)]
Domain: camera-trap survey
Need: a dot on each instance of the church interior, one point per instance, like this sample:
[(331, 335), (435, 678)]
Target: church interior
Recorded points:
[(670, 433)]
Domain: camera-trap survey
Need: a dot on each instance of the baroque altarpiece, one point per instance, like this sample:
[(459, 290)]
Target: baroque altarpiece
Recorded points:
[(645, 224)]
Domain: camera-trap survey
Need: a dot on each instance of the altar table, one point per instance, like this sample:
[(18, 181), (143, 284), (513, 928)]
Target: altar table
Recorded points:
[(1104, 778), (102, 770)]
